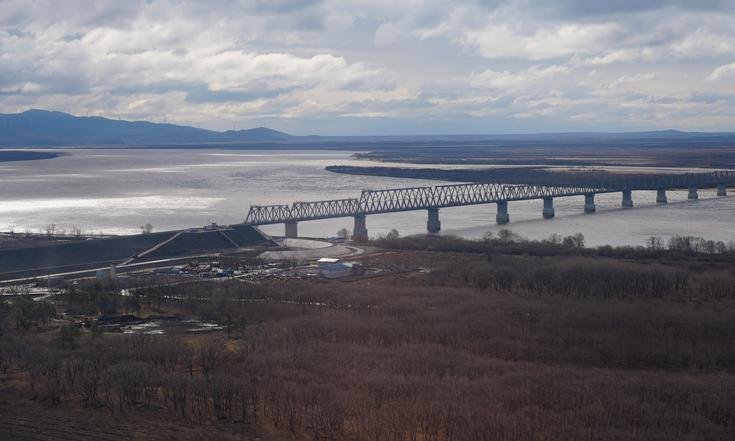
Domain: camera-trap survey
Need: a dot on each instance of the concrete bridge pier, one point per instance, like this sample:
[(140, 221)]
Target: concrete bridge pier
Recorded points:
[(721, 190), (548, 211), (627, 199), (292, 230), (432, 224), (692, 192), (502, 217), (661, 196), (359, 232), (589, 203)]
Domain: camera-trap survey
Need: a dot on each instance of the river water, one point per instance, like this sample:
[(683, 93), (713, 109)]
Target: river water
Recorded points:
[(115, 191)]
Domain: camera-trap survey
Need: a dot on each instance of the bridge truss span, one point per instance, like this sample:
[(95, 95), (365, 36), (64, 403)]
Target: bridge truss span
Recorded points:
[(455, 195), (397, 199), (472, 194), (324, 209)]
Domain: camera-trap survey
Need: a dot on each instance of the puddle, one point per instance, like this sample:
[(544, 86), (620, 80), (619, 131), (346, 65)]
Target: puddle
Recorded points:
[(152, 327), (161, 326)]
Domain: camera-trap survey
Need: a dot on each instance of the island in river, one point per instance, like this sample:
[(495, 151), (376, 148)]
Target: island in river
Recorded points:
[(22, 155)]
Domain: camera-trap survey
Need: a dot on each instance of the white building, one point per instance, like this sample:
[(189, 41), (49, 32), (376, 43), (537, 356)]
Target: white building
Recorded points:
[(336, 270)]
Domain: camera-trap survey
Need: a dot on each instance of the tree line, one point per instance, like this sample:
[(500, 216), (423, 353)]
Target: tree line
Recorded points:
[(508, 242)]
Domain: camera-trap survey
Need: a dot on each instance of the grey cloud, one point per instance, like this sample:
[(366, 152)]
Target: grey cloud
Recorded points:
[(377, 64), (83, 13), (599, 8), (279, 6), (711, 98)]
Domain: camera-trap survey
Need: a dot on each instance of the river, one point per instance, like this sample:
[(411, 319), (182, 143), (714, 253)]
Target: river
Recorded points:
[(114, 191)]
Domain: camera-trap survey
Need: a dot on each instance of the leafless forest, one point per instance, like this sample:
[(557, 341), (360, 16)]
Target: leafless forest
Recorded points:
[(466, 344)]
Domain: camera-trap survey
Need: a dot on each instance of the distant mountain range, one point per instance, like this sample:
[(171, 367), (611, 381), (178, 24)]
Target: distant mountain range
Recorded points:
[(47, 128), (43, 128)]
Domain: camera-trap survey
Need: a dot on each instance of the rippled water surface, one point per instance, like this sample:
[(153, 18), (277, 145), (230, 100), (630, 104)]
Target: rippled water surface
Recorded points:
[(116, 191)]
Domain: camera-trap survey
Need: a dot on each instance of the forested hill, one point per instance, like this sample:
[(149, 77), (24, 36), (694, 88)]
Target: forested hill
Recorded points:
[(46, 128)]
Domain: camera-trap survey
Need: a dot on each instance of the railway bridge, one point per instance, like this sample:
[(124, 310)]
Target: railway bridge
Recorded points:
[(431, 199)]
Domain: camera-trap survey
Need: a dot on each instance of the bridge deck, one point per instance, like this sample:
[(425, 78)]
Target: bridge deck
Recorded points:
[(455, 195)]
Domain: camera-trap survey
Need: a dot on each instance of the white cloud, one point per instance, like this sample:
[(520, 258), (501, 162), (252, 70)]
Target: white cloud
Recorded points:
[(634, 79), (703, 42), (722, 72), (515, 80), (504, 41), (625, 55)]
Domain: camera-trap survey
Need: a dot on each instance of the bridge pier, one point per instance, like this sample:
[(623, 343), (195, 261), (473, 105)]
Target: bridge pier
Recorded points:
[(502, 217), (359, 232), (292, 230), (548, 211), (627, 199), (589, 203), (721, 190), (693, 192), (661, 196), (432, 224)]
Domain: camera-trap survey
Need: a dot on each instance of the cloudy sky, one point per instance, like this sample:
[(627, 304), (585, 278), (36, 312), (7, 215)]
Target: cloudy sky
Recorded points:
[(376, 66)]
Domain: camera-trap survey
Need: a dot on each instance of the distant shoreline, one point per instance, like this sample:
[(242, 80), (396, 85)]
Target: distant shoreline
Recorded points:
[(17, 155), (529, 175)]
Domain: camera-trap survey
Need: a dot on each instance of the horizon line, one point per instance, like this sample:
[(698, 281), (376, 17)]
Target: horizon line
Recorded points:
[(401, 135)]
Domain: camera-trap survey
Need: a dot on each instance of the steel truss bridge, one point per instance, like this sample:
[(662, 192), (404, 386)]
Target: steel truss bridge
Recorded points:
[(455, 195)]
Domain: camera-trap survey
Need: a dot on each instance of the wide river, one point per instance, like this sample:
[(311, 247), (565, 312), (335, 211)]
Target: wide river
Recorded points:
[(117, 190)]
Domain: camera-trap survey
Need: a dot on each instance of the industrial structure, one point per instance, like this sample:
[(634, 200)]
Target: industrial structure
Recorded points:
[(441, 196)]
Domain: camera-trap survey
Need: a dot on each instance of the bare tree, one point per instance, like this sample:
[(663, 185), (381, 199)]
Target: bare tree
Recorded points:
[(655, 243), (209, 355), (146, 229), (507, 236), (574, 241)]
